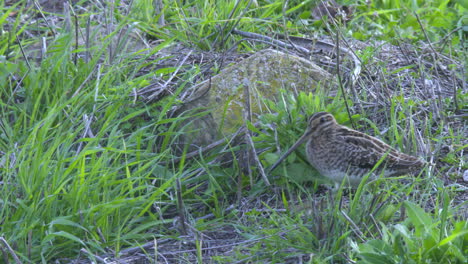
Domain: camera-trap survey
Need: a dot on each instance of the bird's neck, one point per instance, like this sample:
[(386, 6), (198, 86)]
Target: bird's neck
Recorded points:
[(325, 133)]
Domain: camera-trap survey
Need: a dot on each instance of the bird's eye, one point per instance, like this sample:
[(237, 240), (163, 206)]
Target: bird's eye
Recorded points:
[(323, 119)]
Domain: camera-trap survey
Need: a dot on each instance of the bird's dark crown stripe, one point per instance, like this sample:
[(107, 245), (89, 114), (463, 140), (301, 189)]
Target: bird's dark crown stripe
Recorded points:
[(319, 114)]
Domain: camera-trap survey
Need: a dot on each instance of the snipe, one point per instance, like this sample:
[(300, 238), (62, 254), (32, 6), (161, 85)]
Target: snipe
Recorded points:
[(338, 152)]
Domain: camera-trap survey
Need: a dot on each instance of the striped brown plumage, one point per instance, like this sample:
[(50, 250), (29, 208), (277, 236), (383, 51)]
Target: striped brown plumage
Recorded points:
[(338, 152)]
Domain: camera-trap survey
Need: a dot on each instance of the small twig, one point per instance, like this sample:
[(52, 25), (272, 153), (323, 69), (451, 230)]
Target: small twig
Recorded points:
[(247, 115), (10, 250), (159, 10), (93, 255), (349, 52), (265, 42), (283, 18), (87, 40), (75, 56), (248, 118), (348, 259), (44, 17), (268, 40), (67, 16), (257, 160), (376, 225), (180, 208), (340, 82), (86, 132), (444, 40), (404, 52), (323, 45), (98, 66), (356, 229), (173, 74), (426, 36), (195, 153), (148, 245), (4, 253), (43, 48), (239, 182), (119, 36), (25, 75), (231, 244), (223, 29), (22, 52)]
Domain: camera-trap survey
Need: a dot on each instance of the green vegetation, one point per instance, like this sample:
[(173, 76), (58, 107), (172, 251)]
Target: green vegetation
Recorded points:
[(88, 170)]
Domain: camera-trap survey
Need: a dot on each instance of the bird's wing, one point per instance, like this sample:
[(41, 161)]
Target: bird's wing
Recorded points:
[(366, 151)]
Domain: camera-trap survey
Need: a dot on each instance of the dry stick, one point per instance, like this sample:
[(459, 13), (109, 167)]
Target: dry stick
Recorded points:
[(444, 40), (67, 16), (247, 115), (357, 62), (87, 123), (158, 10), (44, 17), (12, 252), (348, 259), (201, 170), (23, 53), (205, 149), (69, 9), (425, 35), (356, 229), (180, 207), (225, 26), (340, 82), (4, 253), (43, 48), (435, 55), (109, 21), (248, 133), (257, 160), (187, 30), (75, 56), (320, 44), (283, 18), (239, 182), (87, 79), (212, 215), (231, 244), (173, 74), (87, 41), (93, 255), (26, 74), (224, 38), (119, 37), (148, 245), (338, 69), (464, 83), (268, 40), (377, 226)]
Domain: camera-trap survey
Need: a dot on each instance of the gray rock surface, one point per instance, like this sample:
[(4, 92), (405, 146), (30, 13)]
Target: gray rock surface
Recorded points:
[(264, 74)]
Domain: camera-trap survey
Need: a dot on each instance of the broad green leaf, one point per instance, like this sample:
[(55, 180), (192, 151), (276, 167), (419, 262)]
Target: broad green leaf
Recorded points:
[(373, 258), (453, 237), (417, 215)]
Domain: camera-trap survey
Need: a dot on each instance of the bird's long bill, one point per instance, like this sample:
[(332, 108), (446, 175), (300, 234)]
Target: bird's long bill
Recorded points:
[(291, 149)]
